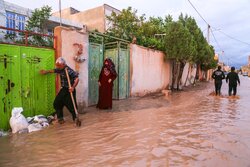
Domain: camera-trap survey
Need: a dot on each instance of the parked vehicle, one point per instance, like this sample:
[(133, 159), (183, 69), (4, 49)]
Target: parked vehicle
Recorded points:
[(245, 73)]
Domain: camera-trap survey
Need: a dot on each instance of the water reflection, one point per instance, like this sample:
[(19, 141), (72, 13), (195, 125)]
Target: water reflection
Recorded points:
[(193, 129)]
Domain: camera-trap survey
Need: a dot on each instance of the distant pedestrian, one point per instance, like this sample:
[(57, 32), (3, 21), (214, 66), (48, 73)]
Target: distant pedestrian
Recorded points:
[(106, 78), (233, 78), (218, 76), (63, 98)]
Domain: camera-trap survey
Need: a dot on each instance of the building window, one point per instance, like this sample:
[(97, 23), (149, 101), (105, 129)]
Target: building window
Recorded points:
[(50, 32), (14, 21)]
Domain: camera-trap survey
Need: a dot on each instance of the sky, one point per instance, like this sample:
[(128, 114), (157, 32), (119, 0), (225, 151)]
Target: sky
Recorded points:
[(229, 19)]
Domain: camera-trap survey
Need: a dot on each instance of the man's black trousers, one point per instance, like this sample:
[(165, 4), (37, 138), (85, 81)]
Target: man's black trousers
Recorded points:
[(63, 99)]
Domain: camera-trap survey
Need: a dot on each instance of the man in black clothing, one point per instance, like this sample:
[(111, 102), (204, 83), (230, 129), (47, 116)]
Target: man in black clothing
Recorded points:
[(233, 78), (63, 98), (218, 76)]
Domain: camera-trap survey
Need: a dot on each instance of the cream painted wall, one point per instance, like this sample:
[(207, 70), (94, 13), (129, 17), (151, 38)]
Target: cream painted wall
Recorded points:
[(68, 51), (93, 18), (149, 72)]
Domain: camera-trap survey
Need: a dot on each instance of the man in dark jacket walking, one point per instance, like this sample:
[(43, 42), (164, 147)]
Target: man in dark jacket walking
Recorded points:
[(218, 76), (233, 78)]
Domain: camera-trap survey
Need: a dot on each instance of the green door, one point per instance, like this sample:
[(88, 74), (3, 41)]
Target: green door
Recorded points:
[(10, 82), (23, 86), (119, 53), (95, 66), (123, 73), (38, 91), (113, 54)]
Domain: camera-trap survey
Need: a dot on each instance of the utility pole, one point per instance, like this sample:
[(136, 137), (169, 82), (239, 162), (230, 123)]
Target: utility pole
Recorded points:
[(60, 11), (208, 33)]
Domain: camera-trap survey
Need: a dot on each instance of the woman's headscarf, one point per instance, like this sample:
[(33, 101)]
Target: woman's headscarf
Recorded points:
[(110, 66)]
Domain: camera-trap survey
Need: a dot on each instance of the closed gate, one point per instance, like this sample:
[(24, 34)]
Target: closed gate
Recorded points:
[(21, 83), (95, 66), (119, 53)]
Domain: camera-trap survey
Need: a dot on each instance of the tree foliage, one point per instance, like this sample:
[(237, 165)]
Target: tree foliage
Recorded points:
[(125, 25), (181, 40), (150, 33), (38, 23)]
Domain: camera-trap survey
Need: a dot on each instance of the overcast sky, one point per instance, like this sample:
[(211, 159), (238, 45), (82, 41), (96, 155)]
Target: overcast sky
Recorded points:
[(229, 19)]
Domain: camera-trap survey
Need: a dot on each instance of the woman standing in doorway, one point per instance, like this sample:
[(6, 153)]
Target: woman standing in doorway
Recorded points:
[(106, 78)]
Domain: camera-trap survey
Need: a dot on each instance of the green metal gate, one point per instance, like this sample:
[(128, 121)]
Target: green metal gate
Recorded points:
[(21, 83), (95, 66), (119, 53), (112, 53)]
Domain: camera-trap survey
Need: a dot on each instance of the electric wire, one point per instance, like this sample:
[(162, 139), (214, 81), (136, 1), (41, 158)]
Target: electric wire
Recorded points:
[(234, 38), (217, 43), (197, 12), (216, 40), (215, 28)]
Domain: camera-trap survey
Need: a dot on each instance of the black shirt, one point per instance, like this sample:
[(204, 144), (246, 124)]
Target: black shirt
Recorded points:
[(233, 78), (218, 76)]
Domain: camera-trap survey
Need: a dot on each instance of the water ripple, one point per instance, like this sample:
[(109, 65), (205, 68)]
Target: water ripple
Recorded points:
[(194, 129)]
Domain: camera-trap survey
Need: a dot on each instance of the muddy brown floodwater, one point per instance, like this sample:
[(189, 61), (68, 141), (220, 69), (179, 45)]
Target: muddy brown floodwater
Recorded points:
[(189, 128)]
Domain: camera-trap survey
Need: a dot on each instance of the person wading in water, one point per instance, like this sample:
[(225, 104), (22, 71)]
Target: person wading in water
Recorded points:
[(218, 76), (233, 78)]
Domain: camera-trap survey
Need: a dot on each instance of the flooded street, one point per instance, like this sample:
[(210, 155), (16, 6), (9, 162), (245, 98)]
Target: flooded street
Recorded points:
[(189, 128)]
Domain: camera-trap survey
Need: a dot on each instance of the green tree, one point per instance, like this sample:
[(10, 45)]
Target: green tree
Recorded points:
[(180, 47), (208, 61), (192, 27), (168, 19), (203, 56), (37, 23), (181, 40), (124, 25), (150, 33), (38, 20)]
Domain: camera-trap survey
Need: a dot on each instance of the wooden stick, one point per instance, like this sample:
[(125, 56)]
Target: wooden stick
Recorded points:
[(71, 94)]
